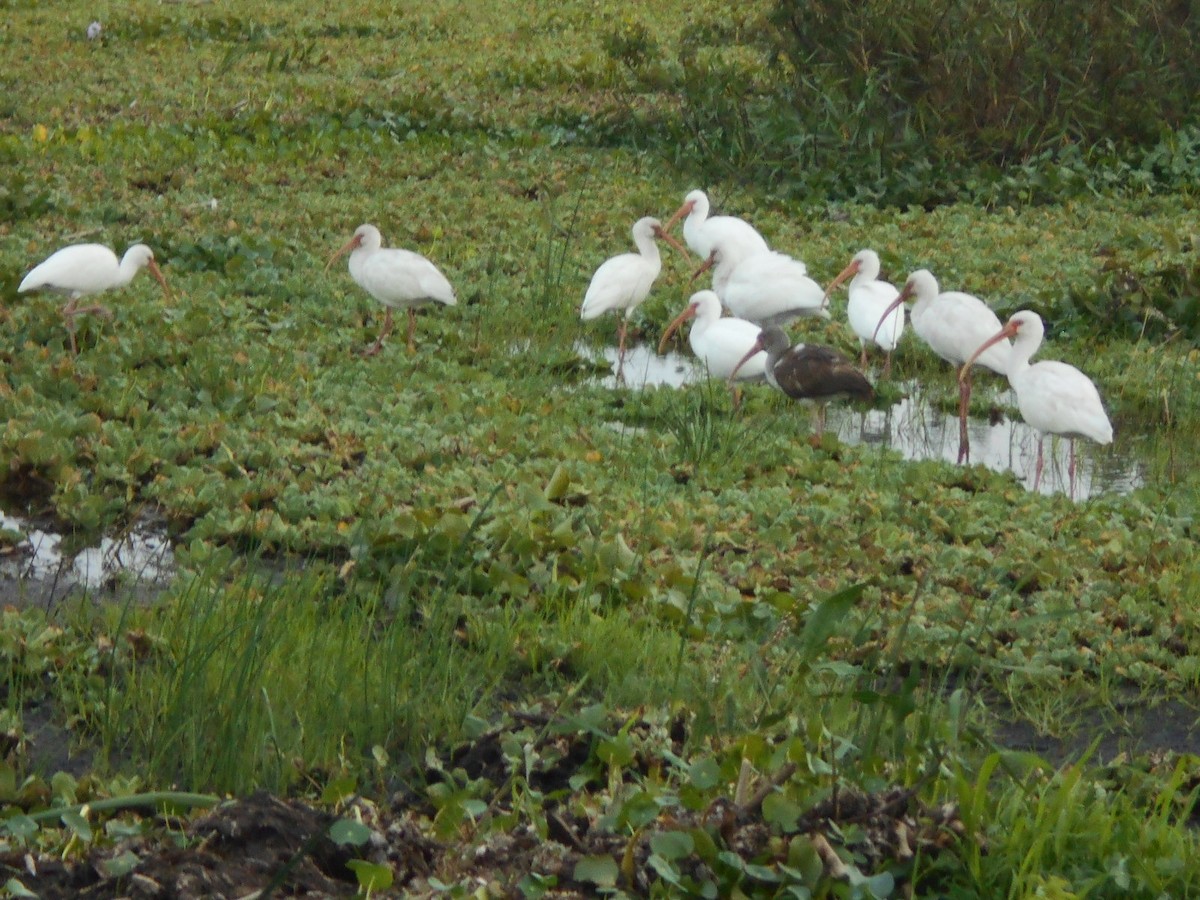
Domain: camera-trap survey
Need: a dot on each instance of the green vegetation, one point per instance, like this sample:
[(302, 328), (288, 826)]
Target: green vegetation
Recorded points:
[(477, 591)]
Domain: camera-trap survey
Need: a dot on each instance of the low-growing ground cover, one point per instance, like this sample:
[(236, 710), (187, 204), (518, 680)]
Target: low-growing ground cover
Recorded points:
[(537, 633)]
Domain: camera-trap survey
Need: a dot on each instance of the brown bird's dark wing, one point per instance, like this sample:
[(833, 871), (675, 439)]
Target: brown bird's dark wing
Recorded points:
[(812, 372)]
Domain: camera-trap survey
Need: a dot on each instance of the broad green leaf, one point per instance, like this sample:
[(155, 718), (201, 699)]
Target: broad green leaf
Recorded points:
[(598, 870), (672, 844), (78, 824), (21, 827), (371, 876), (823, 621), (121, 865), (349, 831)]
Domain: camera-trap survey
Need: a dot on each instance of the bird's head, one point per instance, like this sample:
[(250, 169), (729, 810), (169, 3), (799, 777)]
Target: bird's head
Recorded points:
[(690, 311), (690, 202), (142, 256), (364, 236), (852, 268)]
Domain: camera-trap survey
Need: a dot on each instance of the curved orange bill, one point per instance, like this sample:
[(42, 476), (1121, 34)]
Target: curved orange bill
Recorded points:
[(704, 266), (158, 276), (851, 269), (757, 347), (346, 248), (1007, 331), (679, 214), (904, 295), (675, 323), (663, 234)]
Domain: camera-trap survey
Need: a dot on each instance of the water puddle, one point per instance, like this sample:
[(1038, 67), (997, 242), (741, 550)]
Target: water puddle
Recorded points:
[(918, 430), (643, 366), (37, 571)]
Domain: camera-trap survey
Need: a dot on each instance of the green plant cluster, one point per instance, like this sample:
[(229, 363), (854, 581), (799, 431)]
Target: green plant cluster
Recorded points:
[(906, 103), (393, 568)]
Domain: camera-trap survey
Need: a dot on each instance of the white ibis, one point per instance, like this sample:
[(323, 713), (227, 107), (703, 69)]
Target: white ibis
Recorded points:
[(771, 289), (1054, 397), (736, 237), (809, 371), (81, 270), (869, 298), (623, 282), (953, 324), (399, 279), (720, 343)]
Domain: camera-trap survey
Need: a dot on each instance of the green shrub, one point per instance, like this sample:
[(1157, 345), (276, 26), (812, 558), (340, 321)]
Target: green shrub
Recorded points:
[(987, 81)]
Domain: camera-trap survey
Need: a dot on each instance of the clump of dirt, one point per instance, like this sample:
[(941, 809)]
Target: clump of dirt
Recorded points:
[(256, 844), (267, 847)]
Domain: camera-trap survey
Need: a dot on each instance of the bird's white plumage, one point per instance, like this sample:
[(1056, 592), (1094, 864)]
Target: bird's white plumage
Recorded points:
[(770, 289), (954, 324), (703, 234), (84, 269), (400, 279), (869, 299), (1054, 397), (623, 282), (720, 241), (720, 343)]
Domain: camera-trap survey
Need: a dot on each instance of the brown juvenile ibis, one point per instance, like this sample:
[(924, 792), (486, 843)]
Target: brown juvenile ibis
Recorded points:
[(809, 372)]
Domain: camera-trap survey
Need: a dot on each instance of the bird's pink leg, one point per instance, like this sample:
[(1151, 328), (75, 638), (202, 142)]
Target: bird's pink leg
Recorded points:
[(94, 309), (412, 327), (1037, 472), (862, 358), (621, 326), (383, 333), (820, 419), (887, 365), (964, 401), (1071, 470)]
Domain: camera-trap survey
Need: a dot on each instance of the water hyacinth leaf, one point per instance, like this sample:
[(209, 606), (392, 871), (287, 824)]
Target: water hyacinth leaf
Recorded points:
[(823, 621), (121, 865), (78, 824), (666, 869), (598, 870), (781, 812), (803, 857), (21, 827), (535, 885), (339, 789), (349, 832), (556, 487), (371, 876), (672, 844), (705, 773)]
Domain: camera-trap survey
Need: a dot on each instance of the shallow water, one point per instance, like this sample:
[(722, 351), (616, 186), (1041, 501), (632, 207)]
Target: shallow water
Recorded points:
[(38, 572), (917, 429), (644, 367)]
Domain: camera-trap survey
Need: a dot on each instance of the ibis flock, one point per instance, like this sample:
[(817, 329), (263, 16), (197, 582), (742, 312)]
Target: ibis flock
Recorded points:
[(762, 289)]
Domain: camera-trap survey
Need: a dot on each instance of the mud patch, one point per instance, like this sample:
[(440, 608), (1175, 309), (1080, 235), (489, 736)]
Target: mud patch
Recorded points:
[(257, 844)]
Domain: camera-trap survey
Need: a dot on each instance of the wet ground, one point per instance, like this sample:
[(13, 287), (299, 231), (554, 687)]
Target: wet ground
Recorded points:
[(36, 569), (917, 429)]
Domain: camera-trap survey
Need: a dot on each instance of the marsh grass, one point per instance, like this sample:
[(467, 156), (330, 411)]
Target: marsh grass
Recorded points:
[(395, 553)]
